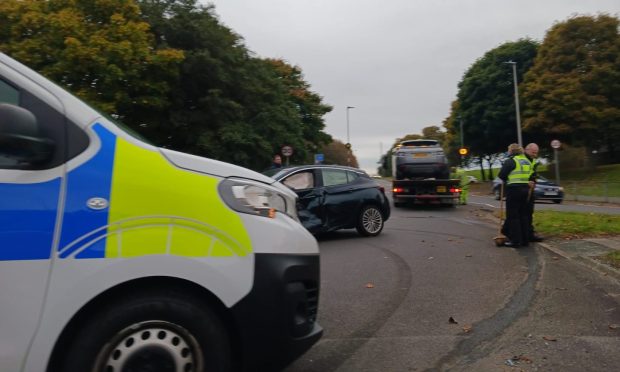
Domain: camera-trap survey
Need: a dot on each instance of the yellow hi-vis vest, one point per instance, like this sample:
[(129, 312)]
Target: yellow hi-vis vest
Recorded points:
[(522, 172)]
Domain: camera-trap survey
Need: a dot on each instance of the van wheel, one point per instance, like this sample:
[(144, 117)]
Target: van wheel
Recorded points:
[(370, 221), (159, 332)]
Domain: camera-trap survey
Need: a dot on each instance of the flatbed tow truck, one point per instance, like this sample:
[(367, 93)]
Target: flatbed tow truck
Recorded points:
[(421, 175)]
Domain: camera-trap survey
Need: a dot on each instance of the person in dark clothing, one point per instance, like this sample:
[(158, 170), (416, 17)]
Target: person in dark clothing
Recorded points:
[(531, 152), (277, 162), (516, 173)]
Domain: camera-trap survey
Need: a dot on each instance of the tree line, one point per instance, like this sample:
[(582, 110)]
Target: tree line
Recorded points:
[(569, 89), (170, 70)]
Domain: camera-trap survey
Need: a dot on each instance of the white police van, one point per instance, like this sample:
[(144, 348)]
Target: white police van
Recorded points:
[(119, 256)]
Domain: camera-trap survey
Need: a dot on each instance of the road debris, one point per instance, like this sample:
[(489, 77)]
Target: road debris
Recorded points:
[(549, 338), (611, 326), (370, 285), (452, 321), (514, 361), (468, 328)]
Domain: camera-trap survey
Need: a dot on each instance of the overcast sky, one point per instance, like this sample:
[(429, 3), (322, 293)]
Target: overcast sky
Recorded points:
[(398, 62)]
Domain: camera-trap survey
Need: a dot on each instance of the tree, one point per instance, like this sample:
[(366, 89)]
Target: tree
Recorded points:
[(229, 105), (336, 152), (573, 90), (485, 102), (100, 50)]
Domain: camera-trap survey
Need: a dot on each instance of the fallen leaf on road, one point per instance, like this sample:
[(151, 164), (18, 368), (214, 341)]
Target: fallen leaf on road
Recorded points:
[(467, 328), (370, 285), (549, 338), (611, 326), (452, 321), (525, 359)]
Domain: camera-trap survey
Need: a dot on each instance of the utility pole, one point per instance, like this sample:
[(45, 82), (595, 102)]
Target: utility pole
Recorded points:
[(514, 75)]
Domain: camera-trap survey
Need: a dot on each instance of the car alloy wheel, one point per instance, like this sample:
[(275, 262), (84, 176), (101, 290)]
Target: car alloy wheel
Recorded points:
[(370, 221)]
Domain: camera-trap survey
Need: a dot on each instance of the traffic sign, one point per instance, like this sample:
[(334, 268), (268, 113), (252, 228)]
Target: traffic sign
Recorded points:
[(319, 158), (287, 150), (555, 144)]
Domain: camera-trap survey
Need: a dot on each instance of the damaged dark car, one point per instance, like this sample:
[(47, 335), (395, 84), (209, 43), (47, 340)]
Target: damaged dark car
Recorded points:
[(335, 197)]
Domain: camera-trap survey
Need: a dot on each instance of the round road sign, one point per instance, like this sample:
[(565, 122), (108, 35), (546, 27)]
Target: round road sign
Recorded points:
[(555, 144), (287, 150)]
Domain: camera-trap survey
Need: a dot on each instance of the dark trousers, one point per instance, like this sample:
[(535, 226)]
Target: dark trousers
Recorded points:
[(517, 224), (530, 217)]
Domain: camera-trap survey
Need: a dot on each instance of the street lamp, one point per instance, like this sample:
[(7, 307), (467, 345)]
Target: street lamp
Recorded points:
[(514, 74), (348, 108), (461, 123), (348, 139)]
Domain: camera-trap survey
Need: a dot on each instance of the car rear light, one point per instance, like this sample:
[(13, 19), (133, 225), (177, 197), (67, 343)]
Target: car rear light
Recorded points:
[(455, 189), (397, 190)]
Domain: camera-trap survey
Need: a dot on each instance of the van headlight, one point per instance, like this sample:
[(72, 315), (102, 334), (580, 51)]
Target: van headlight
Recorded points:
[(256, 198)]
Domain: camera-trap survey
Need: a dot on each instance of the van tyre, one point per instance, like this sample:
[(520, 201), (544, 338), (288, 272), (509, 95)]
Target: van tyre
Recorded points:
[(157, 332), (370, 221)]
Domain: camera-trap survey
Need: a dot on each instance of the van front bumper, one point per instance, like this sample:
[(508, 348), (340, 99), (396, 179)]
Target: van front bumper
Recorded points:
[(277, 319)]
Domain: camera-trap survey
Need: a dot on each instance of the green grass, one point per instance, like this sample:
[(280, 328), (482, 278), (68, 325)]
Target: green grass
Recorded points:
[(576, 225), (613, 258)]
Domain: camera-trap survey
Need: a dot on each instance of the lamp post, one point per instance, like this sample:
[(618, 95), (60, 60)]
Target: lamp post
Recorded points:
[(461, 123), (348, 108), (348, 139), (514, 74)]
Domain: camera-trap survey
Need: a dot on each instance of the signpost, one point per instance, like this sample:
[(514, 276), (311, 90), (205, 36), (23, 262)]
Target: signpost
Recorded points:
[(556, 145), (319, 158), (287, 151)]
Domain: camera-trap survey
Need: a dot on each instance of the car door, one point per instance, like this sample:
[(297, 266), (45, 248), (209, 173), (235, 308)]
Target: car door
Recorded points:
[(30, 195), (342, 198), (310, 201)]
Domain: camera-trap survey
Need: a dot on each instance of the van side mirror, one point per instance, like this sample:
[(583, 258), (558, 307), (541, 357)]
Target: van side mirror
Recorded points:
[(20, 136)]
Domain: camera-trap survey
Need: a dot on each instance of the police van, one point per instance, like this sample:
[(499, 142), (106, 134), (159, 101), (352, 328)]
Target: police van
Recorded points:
[(116, 255)]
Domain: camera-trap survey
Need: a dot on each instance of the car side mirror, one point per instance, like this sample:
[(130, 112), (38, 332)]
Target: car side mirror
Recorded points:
[(21, 138)]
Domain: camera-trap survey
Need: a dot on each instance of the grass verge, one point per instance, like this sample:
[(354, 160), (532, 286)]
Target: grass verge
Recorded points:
[(576, 225), (573, 225)]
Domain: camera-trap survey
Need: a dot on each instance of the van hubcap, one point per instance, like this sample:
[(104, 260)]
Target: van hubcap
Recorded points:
[(154, 346)]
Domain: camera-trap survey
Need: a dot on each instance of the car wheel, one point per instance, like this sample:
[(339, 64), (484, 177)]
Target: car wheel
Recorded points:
[(370, 221), (151, 332)]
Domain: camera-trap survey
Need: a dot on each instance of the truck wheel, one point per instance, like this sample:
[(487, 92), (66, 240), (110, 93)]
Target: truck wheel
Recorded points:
[(370, 221), (157, 332)]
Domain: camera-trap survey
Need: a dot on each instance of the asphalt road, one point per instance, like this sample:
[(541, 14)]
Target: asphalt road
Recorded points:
[(386, 302)]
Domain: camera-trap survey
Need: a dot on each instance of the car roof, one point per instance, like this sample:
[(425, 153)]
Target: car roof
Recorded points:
[(294, 168)]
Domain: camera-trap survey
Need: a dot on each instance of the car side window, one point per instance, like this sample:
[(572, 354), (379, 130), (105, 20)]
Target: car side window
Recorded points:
[(8, 94), (332, 177), (300, 181), (68, 139), (352, 176)]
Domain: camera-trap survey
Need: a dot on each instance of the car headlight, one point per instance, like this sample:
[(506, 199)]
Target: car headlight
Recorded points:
[(256, 198), (561, 188)]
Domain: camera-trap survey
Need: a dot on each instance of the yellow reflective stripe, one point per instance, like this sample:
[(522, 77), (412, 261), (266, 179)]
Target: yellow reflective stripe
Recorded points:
[(157, 208)]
